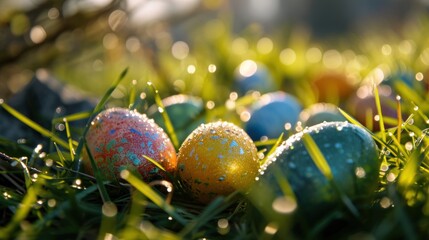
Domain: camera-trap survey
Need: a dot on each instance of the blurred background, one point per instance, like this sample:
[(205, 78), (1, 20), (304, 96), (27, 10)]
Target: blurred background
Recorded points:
[(178, 45)]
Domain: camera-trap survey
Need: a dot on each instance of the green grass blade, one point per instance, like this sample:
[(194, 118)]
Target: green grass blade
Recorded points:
[(168, 125), (108, 221), (283, 183), (408, 174), (33, 125), (95, 111), (317, 156), (273, 149), (374, 136), (73, 117), (152, 195), (26, 172), (380, 113), (70, 140), (98, 176), (58, 211), (265, 142), (154, 162), (22, 212), (215, 207), (323, 166)]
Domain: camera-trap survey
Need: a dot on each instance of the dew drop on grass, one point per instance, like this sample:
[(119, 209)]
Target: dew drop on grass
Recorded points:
[(49, 162), (391, 177), (284, 205), (385, 202), (360, 172), (409, 146), (411, 134), (109, 209), (416, 108), (52, 202), (223, 226), (271, 228), (384, 167)]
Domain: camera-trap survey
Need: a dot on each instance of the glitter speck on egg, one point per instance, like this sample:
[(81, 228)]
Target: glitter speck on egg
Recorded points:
[(217, 159), (119, 138)]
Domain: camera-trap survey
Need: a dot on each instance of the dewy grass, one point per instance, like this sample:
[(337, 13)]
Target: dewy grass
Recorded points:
[(98, 108), (168, 125), (44, 196), (34, 125)]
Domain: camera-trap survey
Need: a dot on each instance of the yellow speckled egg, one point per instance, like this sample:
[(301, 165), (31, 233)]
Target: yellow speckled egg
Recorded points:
[(217, 159)]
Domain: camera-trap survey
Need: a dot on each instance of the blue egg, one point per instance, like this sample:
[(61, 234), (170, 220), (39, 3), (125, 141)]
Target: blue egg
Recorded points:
[(271, 113), (252, 76), (405, 77), (184, 111)]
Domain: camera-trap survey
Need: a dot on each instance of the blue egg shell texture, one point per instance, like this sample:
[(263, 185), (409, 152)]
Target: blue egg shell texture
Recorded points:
[(184, 111), (319, 113), (351, 154), (253, 76), (270, 114), (406, 77)]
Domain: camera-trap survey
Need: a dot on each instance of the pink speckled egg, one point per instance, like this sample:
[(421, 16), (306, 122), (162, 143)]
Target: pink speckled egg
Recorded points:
[(119, 138)]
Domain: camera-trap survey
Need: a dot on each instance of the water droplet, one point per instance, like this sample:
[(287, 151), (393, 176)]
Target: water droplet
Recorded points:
[(385, 202), (284, 205), (109, 209), (271, 228), (360, 172), (416, 108), (409, 146), (391, 177)]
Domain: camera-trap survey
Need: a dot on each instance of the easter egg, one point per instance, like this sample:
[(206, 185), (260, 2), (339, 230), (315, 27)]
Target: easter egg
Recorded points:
[(217, 159), (271, 115), (332, 87), (184, 112), (364, 109), (406, 77), (319, 113), (119, 138), (350, 152), (251, 75)]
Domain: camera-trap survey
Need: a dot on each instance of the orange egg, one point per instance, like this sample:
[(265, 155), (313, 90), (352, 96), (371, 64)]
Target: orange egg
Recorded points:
[(217, 159), (332, 87)]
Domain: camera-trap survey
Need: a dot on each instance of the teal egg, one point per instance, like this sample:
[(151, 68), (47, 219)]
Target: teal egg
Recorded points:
[(319, 113), (184, 111), (351, 154)]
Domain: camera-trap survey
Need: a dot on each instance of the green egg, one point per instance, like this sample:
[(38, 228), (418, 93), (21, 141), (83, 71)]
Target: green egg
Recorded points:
[(184, 111), (319, 113), (353, 159)]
